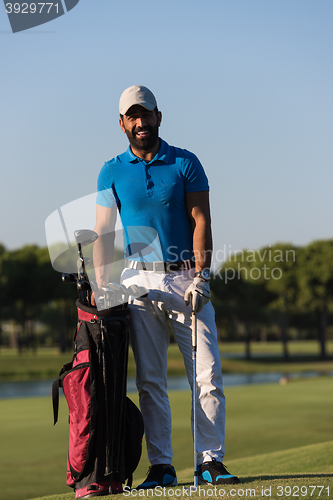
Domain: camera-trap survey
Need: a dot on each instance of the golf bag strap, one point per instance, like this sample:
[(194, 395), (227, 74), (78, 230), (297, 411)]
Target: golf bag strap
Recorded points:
[(55, 391), (130, 481), (87, 316)]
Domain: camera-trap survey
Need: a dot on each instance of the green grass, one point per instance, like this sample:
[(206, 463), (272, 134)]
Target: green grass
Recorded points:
[(304, 356), (44, 364), (272, 430), (316, 480)]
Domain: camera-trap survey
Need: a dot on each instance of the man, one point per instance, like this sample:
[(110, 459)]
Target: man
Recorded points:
[(162, 195)]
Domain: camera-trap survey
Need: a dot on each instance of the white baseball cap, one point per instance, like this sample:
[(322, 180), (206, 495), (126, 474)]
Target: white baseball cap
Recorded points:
[(138, 94)]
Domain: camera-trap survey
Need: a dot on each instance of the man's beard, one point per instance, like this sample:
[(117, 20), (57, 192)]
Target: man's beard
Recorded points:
[(146, 143)]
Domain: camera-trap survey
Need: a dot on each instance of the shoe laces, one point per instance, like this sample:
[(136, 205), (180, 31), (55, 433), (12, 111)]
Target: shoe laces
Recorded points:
[(216, 466), (155, 469)]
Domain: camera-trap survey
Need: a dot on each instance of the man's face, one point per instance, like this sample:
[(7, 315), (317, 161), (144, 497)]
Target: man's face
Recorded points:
[(141, 127)]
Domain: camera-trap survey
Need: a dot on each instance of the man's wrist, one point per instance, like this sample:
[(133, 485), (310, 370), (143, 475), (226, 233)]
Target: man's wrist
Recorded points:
[(204, 274)]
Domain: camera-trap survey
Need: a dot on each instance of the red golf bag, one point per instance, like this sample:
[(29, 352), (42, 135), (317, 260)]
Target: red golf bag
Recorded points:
[(105, 426)]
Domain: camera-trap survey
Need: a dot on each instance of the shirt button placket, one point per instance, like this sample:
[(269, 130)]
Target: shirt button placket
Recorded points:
[(149, 182)]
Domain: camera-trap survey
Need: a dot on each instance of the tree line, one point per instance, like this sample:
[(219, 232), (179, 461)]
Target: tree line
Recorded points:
[(277, 292), (35, 306)]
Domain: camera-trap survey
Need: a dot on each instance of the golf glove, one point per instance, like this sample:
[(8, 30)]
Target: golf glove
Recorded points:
[(199, 291)]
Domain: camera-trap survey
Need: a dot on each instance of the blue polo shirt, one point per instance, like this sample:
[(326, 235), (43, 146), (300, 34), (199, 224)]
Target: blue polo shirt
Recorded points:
[(151, 201)]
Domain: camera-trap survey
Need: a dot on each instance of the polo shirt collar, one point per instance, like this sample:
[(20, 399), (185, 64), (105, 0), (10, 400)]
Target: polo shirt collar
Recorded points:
[(162, 154)]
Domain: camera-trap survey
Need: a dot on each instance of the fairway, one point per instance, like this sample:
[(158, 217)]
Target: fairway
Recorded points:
[(304, 356), (270, 431)]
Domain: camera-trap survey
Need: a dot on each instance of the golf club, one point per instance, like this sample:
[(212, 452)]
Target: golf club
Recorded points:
[(194, 392), (84, 261), (69, 278), (137, 291), (108, 292), (123, 293), (83, 285), (117, 293), (84, 237), (111, 291)]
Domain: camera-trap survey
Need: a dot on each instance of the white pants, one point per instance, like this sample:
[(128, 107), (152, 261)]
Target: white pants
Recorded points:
[(150, 341)]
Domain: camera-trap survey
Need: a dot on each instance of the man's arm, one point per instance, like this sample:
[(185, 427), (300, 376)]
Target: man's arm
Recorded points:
[(104, 247), (199, 211)]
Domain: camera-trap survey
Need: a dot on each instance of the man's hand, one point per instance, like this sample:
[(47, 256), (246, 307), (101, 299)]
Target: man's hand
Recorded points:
[(199, 291)]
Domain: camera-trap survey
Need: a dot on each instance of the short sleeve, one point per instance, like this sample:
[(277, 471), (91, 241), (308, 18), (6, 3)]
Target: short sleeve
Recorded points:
[(105, 195), (195, 176)]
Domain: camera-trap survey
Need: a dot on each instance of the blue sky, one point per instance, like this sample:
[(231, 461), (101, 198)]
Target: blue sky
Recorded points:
[(246, 85)]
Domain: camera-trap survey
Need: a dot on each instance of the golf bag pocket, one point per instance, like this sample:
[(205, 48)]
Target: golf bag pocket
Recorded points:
[(81, 358), (75, 380), (76, 387)]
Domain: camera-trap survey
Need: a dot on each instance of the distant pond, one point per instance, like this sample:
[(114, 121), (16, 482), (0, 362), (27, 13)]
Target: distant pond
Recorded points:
[(41, 388)]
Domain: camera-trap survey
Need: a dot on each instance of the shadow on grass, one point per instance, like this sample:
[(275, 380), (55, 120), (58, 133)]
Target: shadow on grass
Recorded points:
[(268, 477)]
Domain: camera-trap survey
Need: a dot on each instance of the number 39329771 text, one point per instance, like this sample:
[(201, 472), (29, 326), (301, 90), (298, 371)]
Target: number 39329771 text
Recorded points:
[(31, 8)]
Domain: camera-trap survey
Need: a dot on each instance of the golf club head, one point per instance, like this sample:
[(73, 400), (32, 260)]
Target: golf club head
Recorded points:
[(122, 295), (83, 285), (114, 287), (85, 237), (137, 291), (123, 290), (109, 294), (82, 263), (85, 260), (69, 278)]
